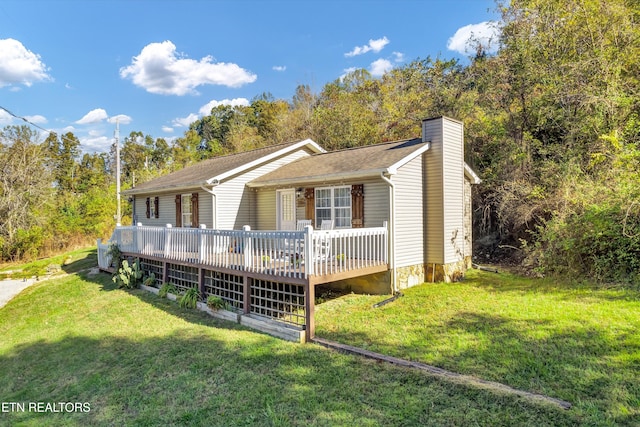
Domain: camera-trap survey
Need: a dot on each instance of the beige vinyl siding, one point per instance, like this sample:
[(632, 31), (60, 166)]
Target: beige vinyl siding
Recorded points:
[(409, 221), (444, 213), (167, 208), (376, 203), (434, 183), (266, 209), (468, 220), (237, 203), (453, 173)]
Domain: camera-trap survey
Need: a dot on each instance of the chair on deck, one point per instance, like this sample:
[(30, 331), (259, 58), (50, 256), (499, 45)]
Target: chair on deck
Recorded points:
[(322, 249), (327, 224), (302, 223)]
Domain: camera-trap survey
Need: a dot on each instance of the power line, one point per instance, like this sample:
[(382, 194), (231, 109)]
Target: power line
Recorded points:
[(37, 126)]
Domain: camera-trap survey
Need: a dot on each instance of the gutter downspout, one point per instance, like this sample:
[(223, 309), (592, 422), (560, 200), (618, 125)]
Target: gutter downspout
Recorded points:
[(214, 220), (392, 229)]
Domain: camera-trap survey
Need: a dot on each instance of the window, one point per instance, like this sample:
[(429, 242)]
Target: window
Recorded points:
[(152, 207), (333, 203), (186, 210)]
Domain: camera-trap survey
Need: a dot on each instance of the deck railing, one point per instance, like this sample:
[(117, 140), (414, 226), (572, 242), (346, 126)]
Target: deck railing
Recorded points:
[(298, 254)]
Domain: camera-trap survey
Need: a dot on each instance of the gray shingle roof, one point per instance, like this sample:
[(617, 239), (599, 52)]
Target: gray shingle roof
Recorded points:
[(359, 161), (198, 174)]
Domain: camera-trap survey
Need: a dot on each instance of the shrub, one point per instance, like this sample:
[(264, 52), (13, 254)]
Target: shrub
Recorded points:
[(214, 302), (601, 242), (189, 298), (150, 280), (167, 288), (128, 276)]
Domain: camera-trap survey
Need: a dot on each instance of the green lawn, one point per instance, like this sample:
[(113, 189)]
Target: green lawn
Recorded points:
[(137, 359), (576, 342)]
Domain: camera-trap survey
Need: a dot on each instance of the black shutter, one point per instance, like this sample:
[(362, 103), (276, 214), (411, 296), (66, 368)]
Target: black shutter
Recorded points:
[(148, 207)]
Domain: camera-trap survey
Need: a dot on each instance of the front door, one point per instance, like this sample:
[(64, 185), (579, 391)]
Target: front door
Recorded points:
[(286, 209)]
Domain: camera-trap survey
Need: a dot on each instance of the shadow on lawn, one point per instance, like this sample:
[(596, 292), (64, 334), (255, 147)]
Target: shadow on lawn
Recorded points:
[(581, 364), (191, 377), (563, 287)]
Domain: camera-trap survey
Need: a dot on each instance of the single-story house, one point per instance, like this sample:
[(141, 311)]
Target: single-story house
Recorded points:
[(420, 188), (261, 229)]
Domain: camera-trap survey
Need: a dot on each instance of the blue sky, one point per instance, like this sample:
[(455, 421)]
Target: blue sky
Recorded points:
[(158, 65)]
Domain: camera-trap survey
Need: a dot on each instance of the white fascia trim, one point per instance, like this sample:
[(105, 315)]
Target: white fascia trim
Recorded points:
[(393, 169), (172, 189), (307, 142)]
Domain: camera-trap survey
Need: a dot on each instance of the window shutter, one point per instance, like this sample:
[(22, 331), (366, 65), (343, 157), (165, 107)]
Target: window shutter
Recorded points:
[(178, 210), (195, 220), (156, 206), (310, 208), (357, 206), (148, 207)]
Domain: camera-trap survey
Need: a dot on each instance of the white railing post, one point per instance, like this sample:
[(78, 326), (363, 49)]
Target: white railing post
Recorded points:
[(246, 250), (138, 239), (308, 251), (202, 244), (385, 242), (167, 241)]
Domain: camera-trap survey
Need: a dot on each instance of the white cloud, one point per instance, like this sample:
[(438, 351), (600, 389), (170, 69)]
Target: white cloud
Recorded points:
[(466, 38), (167, 129), (379, 67), (205, 110), (399, 56), (5, 118), (347, 71), (279, 67), (374, 46), (185, 121), (37, 119), (19, 65), (120, 118), (96, 144), (93, 116), (160, 69)]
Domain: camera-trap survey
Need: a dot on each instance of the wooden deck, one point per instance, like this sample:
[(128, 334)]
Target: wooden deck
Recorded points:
[(272, 274)]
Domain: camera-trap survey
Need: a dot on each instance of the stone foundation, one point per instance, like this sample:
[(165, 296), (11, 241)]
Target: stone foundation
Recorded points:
[(452, 272), (409, 276), (374, 284)]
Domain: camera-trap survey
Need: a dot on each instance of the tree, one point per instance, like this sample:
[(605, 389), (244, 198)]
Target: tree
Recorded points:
[(24, 185)]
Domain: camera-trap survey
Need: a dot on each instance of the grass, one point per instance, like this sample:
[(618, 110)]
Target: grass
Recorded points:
[(577, 342), (70, 262), (138, 359)]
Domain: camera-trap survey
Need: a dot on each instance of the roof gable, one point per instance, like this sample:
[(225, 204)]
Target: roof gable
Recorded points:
[(219, 168)]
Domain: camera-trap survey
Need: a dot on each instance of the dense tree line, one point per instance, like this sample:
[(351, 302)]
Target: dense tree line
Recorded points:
[(552, 124)]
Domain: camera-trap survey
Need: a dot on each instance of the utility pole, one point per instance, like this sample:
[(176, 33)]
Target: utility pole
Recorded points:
[(117, 137)]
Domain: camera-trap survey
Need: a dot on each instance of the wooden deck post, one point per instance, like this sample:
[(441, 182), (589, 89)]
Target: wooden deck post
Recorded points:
[(246, 293), (309, 310)]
